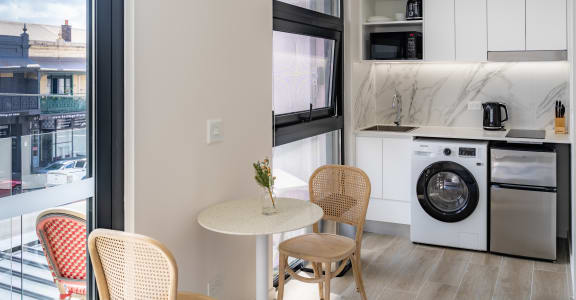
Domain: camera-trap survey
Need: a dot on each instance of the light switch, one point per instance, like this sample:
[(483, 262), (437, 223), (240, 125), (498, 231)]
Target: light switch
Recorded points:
[(214, 132)]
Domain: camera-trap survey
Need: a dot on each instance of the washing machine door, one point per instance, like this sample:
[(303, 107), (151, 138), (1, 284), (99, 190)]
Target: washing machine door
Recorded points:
[(447, 191)]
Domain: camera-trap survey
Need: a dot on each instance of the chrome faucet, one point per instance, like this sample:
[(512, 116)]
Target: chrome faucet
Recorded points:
[(397, 103)]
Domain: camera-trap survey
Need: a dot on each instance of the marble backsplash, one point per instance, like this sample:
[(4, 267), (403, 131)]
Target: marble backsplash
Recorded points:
[(437, 94)]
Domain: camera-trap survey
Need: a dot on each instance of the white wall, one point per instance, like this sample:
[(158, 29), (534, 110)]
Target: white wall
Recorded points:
[(189, 61)]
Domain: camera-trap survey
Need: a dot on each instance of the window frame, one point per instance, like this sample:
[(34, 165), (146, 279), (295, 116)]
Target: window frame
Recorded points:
[(105, 93), (295, 126)]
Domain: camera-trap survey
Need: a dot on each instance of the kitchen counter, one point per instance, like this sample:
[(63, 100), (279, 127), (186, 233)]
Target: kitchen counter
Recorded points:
[(469, 133)]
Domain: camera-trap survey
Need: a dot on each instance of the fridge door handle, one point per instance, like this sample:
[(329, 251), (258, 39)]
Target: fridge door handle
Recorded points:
[(546, 189)]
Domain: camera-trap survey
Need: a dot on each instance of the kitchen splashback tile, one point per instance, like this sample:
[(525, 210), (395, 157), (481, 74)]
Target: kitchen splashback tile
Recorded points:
[(438, 94)]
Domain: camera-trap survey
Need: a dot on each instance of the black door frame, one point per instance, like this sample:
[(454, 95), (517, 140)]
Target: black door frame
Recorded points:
[(106, 98)]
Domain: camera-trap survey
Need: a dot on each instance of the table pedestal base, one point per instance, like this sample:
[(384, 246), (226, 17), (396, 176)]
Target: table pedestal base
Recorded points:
[(262, 270)]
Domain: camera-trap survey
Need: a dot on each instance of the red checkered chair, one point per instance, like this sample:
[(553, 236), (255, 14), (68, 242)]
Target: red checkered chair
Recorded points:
[(62, 234)]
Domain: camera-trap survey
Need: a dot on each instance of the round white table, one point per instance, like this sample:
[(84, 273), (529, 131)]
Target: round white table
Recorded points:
[(246, 218)]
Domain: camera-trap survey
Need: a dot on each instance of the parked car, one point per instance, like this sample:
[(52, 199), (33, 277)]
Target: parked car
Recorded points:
[(74, 170), (10, 187), (62, 165)]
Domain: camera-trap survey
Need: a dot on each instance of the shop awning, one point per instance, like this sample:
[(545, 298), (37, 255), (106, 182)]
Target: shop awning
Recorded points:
[(17, 63), (68, 64)]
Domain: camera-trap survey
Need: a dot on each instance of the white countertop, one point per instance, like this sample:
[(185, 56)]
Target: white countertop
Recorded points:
[(244, 217), (469, 133)]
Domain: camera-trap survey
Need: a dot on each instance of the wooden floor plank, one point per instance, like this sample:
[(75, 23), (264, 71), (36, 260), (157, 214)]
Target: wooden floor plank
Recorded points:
[(414, 272), (514, 280), (478, 282), (485, 259), (549, 286), (435, 291), (451, 267), (396, 269)]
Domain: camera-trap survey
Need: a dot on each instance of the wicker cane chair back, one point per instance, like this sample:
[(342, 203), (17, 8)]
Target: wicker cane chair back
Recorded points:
[(62, 234), (343, 193), (131, 266)]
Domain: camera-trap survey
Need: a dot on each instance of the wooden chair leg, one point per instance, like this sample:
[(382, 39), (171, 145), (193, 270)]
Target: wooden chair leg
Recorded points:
[(281, 273), (327, 278), (318, 274), (356, 269)]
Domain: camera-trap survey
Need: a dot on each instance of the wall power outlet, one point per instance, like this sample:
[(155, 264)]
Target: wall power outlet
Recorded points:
[(214, 286)]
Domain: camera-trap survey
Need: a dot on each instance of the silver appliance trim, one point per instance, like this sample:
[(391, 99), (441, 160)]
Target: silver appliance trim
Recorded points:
[(533, 55), (536, 168), (523, 222)]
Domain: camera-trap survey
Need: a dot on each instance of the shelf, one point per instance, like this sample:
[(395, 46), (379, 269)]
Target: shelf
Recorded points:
[(394, 23)]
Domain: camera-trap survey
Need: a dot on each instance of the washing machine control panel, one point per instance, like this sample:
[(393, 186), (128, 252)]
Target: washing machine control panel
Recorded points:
[(467, 152)]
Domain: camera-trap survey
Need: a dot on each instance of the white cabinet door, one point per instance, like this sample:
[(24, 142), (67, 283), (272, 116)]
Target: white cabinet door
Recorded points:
[(369, 159), (546, 25), (397, 168), (439, 42), (507, 25), (471, 32)]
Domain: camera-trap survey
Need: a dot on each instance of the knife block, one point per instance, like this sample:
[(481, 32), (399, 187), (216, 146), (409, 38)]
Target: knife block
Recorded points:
[(560, 125)]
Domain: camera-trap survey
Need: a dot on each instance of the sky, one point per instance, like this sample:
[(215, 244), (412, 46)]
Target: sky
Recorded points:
[(52, 12)]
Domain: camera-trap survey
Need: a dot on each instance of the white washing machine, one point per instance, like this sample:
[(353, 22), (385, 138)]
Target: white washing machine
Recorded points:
[(450, 203)]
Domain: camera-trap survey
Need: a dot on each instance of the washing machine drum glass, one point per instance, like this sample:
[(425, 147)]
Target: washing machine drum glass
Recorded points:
[(447, 191)]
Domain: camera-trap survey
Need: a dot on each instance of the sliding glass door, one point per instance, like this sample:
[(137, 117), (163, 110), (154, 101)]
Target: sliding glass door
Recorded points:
[(46, 141)]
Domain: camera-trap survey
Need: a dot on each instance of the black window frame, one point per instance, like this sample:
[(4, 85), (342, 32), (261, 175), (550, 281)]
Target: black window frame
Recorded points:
[(292, 127), (105, 77), (296, 126)]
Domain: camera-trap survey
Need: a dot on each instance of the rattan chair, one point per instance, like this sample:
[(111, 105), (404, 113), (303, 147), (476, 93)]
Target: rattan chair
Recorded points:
[(135, 267), (62, 234), (343, 193)]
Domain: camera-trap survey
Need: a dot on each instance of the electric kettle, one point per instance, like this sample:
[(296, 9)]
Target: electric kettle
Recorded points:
[(414, 10), (493, 119)]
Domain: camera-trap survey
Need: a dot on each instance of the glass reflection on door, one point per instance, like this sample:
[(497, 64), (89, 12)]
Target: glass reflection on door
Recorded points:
[(44, 142), (293, 164)]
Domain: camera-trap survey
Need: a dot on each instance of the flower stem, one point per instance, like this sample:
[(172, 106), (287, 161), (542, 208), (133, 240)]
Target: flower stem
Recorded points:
[(271, 197)]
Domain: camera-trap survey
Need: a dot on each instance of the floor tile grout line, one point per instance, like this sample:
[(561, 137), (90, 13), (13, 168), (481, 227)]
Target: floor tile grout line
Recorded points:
[(468, 262), (568, 277), (532, 279), (500, 267), (387, 285), (428, 276)]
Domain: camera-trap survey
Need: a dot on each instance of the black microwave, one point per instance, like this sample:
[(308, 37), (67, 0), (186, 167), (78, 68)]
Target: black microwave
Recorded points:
[(396, 45)]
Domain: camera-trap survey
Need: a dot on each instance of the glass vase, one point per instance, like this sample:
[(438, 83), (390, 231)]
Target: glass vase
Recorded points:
[(268, 201)]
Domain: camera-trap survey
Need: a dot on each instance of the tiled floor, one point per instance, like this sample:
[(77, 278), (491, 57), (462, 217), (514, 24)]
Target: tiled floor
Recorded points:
[(396, 269)]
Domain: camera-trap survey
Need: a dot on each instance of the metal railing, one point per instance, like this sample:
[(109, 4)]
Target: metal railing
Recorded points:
[(41, 104), (51, 104)]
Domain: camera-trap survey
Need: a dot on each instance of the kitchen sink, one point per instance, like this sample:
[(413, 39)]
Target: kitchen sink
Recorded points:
[(392, 128)]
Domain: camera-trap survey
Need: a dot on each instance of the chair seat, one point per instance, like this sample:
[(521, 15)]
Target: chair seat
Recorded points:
[(318, 247)]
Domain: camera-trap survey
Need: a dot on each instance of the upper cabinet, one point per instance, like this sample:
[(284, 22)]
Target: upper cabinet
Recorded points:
[(507, 25), (470, 31), (439, 28), (526, 25), (455, 30), (546, 25)]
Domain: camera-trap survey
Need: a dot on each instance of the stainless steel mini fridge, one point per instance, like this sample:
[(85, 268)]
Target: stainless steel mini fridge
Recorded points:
[(523, 201)]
